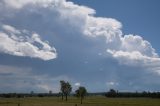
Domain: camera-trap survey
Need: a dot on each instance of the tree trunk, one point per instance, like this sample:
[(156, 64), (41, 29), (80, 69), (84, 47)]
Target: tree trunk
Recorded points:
[(62, 96), (66, 97), (81, 100)]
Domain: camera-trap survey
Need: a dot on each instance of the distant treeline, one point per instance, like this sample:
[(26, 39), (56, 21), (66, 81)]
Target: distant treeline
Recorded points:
[(23, 95), (112, 93)]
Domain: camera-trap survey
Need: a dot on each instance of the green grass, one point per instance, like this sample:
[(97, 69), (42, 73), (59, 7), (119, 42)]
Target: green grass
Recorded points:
[(88, 101)]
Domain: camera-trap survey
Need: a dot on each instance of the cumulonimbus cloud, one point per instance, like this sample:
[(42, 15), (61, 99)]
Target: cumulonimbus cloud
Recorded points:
[(25, 23), (124, 48)]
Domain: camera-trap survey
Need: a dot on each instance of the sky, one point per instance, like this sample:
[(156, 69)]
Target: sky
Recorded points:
[(99, 44)]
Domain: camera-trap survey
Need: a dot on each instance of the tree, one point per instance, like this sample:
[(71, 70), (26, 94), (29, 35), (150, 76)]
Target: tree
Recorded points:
[(32, 93), (66, 89), (62, 84), (111, 93), (81, 93)]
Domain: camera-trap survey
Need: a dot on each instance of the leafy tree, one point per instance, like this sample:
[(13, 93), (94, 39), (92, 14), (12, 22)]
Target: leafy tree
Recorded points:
[(66, 89), (111, 93), (62, 84), (81, 93)]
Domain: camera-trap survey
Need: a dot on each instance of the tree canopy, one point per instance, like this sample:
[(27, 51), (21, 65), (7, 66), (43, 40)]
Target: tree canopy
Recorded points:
[(66, 88), (81, 93)]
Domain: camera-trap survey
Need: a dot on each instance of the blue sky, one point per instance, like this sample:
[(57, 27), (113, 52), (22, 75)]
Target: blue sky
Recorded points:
[(97, 44)]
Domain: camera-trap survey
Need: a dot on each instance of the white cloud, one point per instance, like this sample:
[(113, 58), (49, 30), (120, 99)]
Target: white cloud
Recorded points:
[(97, 26), (137, 59), (112, 83), (110, 29), (132, 43), (16, 42), (11, 29), (77, 84), (18, 4)]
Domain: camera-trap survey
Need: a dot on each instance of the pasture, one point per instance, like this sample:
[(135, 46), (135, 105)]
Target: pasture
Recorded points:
[(72, 101)]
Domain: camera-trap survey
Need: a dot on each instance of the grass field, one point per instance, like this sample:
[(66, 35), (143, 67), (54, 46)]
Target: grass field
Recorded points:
[(89, 101)]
